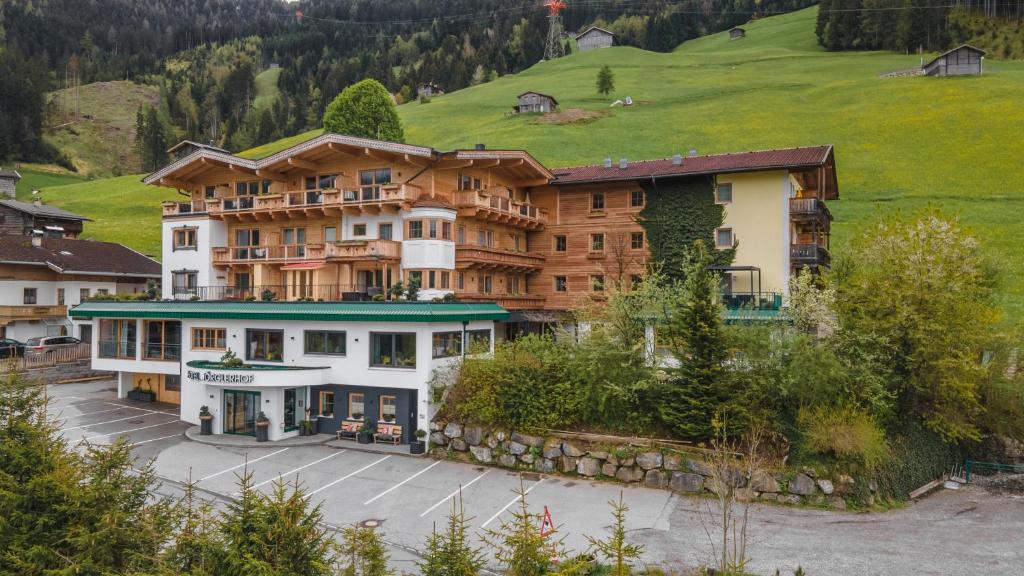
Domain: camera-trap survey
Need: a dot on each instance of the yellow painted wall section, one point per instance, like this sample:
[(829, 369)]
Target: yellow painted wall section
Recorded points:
[(759, 218)]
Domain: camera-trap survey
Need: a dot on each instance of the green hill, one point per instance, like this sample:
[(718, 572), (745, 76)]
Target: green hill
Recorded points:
[(266, 88)]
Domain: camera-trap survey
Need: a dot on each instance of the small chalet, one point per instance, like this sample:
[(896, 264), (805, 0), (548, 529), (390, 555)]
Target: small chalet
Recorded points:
[(186, 147), (735, 33), (965, 60), (26, 219), (535, 102), (594, 37), (8, 180), (429, 89)]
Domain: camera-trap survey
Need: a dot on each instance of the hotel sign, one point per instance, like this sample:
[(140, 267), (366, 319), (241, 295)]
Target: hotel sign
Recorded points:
[(221, 377)]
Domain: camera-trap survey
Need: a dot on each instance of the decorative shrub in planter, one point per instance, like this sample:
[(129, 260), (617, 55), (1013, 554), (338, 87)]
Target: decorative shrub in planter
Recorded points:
[(418, 446), (262, 427), (205, 421), (141, 395), (365, 434)]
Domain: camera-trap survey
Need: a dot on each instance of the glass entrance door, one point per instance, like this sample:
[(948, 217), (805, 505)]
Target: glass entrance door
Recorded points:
[(240, 410), (294, 408)]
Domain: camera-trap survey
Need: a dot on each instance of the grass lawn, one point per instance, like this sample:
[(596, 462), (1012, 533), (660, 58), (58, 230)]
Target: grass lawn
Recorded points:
[(41, 179)]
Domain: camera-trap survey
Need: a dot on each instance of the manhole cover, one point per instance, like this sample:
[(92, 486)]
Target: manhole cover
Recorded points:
[(371, 523)]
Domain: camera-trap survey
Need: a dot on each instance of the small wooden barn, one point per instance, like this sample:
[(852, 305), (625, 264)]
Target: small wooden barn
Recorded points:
[(594, 37), (735, 33), (535, 102), (429, 89), (965, 60), (8, 182)]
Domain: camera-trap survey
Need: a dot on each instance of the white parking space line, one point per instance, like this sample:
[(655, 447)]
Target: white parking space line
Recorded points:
[(242, 465), (346, 477), (118, 433), (97, 412), (514, 500), (178, 435), (399, 485), (141, 409), (59, 398), (102, 423), (290, 472), (454, 494)]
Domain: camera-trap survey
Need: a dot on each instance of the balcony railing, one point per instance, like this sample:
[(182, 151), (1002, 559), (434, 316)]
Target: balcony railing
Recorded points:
[(280, 292), (180, 208), (388, 193), (31, 312), (752, 300), (501, 206), (810, 255), (808, 208), (483, 256), (161, 352), (510, 301), (117, 349), (364, 249), (279, 252)]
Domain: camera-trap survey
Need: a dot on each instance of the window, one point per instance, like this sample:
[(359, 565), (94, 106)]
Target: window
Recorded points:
[(102, 291), (210, 192), (485, 238), (83, 294), (723, 238), (209, 338), (163, 340), (330, 234), (266, 345), (636, 240), (359, 229), (446, 344), (117, 339), (560, 284), (636, 198), (252, 188), (327, 181), (29, 296), (723, 193), (462, 281), (325, 343), (393, 350), (416, 276), (597, 201), (468, 182), (432, 228), (445, 280), (60, 296), (293, 236), (326, 404), (512, 285), (370, 182), (446, 230), (356, 406), (415, 229), (597, 283), (172, 382), (388, 408), (461, 235), (597, 242), (184, 281), (431, 279), (384, 231), (517, 242), (184, 239), (560, 243), (478, 341), (486, 284)]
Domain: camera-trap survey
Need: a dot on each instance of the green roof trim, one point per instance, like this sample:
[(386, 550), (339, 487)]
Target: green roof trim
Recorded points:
[(207, 365), (302, 311)]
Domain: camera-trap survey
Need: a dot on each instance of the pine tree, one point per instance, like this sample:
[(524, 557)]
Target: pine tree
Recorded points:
[(519, 547), (363, 553), (605, 80), (449, 553), (615, 549)]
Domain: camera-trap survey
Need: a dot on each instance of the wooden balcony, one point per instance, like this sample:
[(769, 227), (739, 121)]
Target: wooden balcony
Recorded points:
[(508, 301), (483, 258), (31, 312), (812, 255), (340, 251), (809, 209), (312, 203), (496, 208), (184, 208), (364, 250)]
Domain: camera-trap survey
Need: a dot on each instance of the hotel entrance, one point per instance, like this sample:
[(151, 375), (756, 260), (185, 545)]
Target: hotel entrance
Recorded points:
[(240, 411)]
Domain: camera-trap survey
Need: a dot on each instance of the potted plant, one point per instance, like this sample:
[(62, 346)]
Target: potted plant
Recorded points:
[(357, 415), (141, 395), (262, 427), (419, 445), (205, 421), (365, 435)]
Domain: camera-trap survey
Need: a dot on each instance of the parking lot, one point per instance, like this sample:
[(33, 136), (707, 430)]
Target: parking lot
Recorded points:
[(407, 496)]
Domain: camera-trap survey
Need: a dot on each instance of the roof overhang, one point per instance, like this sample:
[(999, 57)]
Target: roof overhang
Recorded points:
[(519, 162)]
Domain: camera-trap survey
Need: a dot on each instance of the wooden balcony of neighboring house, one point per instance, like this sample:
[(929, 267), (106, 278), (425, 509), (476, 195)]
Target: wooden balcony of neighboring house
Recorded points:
[(184, 208), (496, 207), (809, 254), (313, 203), (31, 312), (469, 256), (508, 301), (811, 208)]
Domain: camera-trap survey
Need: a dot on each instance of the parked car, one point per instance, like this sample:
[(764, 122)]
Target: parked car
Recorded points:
[(49, 344), (11, 348)]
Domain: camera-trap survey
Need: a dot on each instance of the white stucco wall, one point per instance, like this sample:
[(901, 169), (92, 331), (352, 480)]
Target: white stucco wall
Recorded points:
[(209, 233)]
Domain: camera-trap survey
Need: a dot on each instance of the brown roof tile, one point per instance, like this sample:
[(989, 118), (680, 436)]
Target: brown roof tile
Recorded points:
[(68, 255)]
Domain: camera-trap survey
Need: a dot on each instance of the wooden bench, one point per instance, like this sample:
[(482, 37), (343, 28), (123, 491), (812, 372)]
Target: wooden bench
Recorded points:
[(349, 430), (388, 433)]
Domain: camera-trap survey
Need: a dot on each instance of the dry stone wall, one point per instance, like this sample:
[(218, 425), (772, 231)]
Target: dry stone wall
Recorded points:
[(663, 468)]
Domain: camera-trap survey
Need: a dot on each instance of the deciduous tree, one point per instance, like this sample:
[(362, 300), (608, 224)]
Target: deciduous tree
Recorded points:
[(365, 109)]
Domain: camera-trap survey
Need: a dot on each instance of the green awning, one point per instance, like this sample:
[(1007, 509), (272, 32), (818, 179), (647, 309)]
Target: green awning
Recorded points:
[(310, 311)]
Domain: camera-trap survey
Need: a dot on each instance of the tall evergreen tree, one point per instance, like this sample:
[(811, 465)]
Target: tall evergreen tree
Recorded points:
[(605, 80), (450, 553)]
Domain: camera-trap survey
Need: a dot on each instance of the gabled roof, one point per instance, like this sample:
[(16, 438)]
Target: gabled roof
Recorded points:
[(552, 98), (309, 311), (951, 50), (184, 143), (71, 256), (43, 210), (594, 29), (10, 174), (739, 28)]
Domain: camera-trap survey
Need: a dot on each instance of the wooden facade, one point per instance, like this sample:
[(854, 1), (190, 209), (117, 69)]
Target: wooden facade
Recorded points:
[(735, 33), (20, 218), (8, 182), (593, 38), (963, 60), (535, 103)]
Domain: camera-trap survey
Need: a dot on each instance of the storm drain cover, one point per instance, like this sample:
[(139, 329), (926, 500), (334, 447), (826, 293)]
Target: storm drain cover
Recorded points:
[(371, 523)]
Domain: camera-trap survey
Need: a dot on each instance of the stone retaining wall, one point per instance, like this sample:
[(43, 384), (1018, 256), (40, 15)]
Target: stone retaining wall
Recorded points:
[(69, 371), (663, 468)]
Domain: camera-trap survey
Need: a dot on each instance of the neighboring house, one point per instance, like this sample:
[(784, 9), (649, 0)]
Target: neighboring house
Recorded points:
[(40, 278), (186, 147), (24, 218), (343, 361), (8, 182), (736, 33), (535, 103), (594, 37), (965, 60), (429, 89)]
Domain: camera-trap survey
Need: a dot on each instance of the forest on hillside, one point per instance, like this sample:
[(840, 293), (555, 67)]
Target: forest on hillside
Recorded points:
[(205, 55)]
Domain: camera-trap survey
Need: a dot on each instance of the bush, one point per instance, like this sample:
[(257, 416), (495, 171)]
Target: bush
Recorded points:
[(848, 434)]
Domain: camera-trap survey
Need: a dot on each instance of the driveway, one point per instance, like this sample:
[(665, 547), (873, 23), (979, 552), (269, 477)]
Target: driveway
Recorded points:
[(964, 531)]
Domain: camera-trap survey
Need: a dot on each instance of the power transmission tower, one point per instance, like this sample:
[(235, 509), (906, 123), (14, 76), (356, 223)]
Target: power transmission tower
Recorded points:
[(553, 48)]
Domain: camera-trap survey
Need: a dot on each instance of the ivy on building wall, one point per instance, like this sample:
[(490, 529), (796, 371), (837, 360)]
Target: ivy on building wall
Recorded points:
[(678, 212)]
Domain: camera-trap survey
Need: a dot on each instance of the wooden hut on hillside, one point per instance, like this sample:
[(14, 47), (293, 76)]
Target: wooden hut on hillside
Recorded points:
[(964, 60), (594, 37), (735, 33), (535, 102)]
